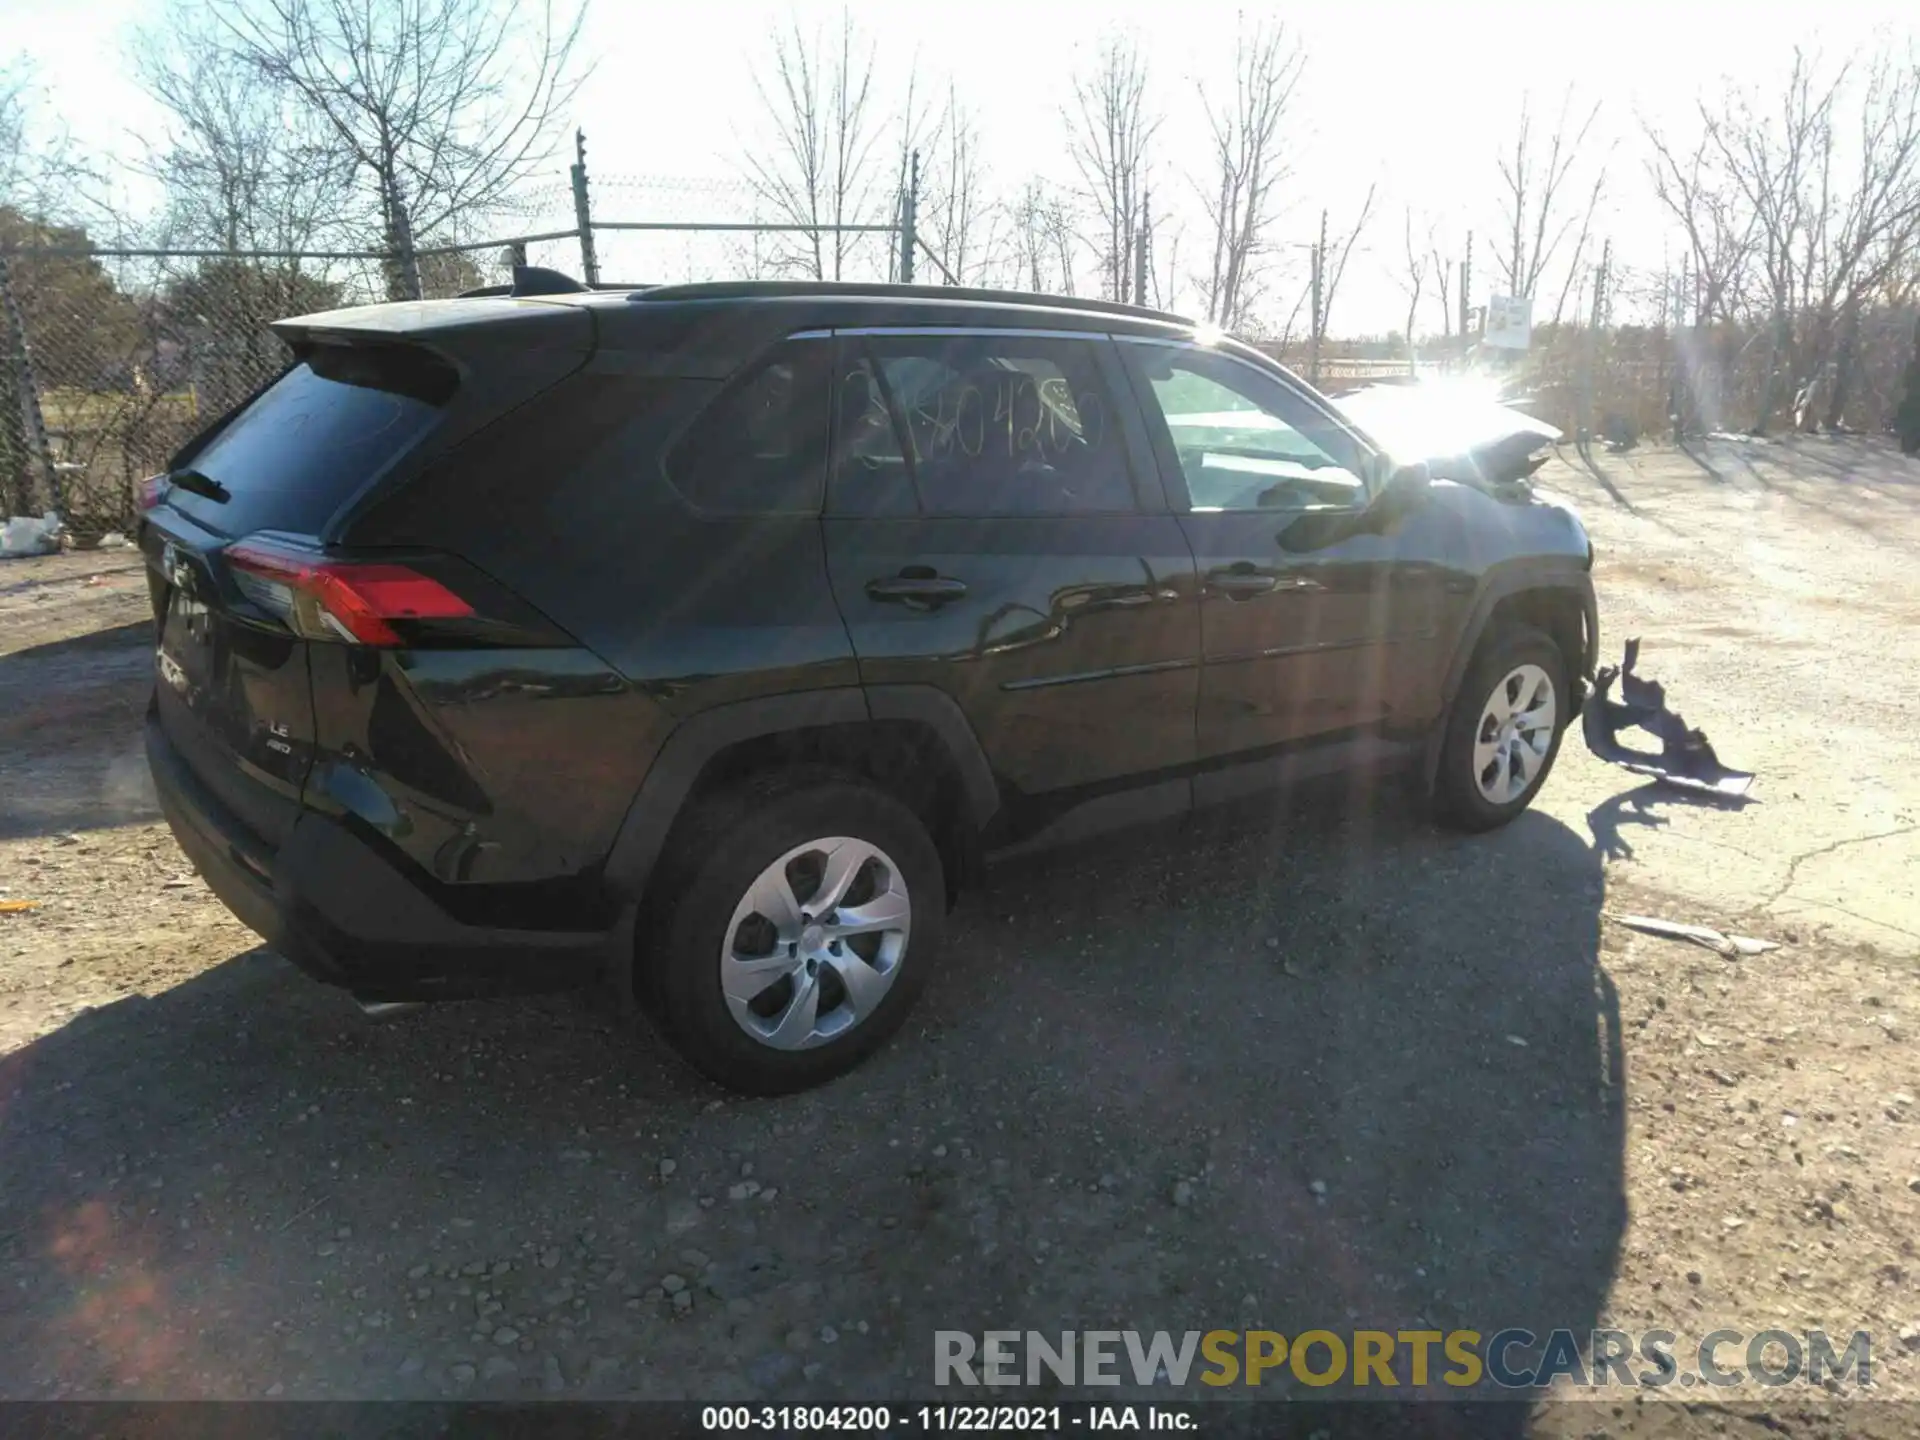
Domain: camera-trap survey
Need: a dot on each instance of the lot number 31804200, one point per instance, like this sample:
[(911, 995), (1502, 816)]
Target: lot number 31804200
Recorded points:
[(860, 1419)]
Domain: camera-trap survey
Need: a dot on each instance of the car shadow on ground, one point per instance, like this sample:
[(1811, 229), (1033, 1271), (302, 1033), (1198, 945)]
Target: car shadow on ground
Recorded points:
[(70, 756), (1303, 1067)]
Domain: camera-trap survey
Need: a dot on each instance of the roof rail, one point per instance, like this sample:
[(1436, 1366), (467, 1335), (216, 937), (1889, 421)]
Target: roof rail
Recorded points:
[(481, 292), (803, 289)]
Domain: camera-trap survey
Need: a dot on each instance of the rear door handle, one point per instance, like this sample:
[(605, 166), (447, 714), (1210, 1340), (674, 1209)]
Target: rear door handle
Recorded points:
[(916, 588), (1240, 582)]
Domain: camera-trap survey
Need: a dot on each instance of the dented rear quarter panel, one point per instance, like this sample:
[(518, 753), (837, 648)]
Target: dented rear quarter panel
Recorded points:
[(481, 766)]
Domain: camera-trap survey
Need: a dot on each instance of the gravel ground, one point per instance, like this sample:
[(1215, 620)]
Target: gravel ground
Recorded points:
[(1313, 1065)]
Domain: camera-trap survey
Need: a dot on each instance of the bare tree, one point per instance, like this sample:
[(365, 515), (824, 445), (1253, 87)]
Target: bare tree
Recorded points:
[(820, 172), (1333, 268), (1774, 160), (1042, 241), (1249, 165), (1164, 236), (13, 138), (1440, 260), (1830, 174), (441, 107), (1867, 229), (954, 218), (1110, 133), (1420, 262), (41, 175), (1536, 206), (1699, 191), (919, 129), (242, 165)]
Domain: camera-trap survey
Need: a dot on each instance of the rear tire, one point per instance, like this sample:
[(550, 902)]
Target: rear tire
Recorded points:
[(818, 980), (1495, 756)]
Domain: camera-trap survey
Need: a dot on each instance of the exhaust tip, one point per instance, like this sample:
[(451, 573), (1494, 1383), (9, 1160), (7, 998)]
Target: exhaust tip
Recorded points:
[(389, 1009)]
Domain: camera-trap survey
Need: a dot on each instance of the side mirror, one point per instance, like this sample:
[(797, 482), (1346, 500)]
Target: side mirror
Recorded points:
[(1406, 487), (1399, 495)]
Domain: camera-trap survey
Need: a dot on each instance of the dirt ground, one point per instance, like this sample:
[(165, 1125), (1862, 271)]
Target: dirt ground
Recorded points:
[(1319, 1067)]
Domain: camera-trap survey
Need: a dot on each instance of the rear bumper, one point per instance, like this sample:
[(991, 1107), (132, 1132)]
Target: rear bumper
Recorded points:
[(347, 915)]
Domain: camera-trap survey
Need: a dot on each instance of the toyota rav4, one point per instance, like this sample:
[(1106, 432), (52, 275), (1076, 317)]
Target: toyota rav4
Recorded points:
[(708, 637)]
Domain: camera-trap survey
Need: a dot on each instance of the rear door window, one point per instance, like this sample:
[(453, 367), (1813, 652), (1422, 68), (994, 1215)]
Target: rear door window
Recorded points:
[(977, 425), (314, 438)]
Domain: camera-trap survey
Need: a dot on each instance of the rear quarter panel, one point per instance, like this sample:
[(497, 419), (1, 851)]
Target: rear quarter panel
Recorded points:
[(538, 754)]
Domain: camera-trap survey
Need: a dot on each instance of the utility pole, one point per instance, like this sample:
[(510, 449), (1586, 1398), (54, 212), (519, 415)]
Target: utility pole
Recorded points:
[(1680, 390), (1600, 296), (1466, 279), (1319, 318), (23, 429), (1140, 254), (583, 212), (909, 216), (1593, 340)]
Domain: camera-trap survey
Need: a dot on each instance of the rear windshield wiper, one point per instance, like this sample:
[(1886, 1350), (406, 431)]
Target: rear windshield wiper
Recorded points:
[(198, 484)]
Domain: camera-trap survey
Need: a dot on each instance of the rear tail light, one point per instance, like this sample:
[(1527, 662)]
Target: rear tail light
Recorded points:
[(152, 491), (358, 602)]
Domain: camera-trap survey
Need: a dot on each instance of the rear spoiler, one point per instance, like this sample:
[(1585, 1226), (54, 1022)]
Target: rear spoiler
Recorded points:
[(445, 324)]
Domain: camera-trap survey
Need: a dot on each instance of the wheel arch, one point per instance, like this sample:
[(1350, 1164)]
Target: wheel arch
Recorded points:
[(1553, 596), (911, 740)]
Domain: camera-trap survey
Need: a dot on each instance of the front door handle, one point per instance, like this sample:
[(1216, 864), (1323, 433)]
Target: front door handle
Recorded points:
[(1240, 582), (916, 587)]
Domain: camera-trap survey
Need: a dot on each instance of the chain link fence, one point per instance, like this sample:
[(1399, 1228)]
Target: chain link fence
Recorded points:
[(109, 362)]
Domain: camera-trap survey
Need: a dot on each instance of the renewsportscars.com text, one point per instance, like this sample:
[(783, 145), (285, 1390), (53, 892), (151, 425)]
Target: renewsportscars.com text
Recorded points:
[(1512, 1359)]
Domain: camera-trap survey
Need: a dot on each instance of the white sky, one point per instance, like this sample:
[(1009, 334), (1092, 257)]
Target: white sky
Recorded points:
[(1418, 97)]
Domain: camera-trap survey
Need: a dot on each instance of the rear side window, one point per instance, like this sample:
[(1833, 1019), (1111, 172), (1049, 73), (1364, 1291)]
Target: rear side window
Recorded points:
[(977, 425), (311, 440), (761, 447)]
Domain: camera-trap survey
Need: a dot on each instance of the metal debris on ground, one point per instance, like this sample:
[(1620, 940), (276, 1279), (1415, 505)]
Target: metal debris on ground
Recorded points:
[(1718, 941), (1685, 760)]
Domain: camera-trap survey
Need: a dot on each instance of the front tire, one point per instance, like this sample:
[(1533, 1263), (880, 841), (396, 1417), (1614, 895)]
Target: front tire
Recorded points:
[(796, 925), (1503, 733)]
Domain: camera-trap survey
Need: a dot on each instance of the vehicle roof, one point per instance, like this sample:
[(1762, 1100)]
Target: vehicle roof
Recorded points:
[(733, 317)]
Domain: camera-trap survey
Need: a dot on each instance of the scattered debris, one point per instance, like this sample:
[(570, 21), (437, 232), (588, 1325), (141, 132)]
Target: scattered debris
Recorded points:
[(1731, 946), (28, 535), (17, 907), (1619, 432), (1686, 759)]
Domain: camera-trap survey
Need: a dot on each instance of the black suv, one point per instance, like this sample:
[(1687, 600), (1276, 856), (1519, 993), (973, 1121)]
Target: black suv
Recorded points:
[(709, 636)]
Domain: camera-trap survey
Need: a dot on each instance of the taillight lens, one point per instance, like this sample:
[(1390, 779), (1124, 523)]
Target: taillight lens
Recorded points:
[(339, 600), (153, 490)]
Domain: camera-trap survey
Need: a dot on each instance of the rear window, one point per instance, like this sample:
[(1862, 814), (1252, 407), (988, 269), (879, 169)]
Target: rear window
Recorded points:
[(761, 447), (311, 440)]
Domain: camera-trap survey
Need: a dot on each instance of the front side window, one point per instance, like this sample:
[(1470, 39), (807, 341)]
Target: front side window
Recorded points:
[(761, 446), (1243, 440), (976, 425)]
